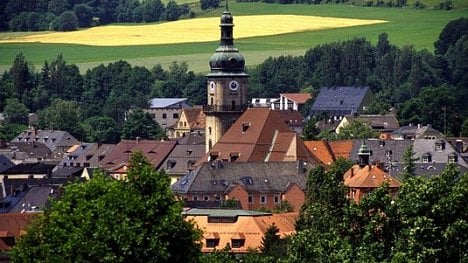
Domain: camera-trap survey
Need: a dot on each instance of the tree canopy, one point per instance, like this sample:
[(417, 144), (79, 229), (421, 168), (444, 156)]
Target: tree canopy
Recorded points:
[(106, 220)]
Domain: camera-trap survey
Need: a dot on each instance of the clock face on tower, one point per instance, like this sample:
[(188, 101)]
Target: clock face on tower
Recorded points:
[(233, 85)]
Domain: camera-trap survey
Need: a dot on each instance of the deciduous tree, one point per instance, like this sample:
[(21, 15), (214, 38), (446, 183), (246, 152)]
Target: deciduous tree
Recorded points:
[(106, 220)]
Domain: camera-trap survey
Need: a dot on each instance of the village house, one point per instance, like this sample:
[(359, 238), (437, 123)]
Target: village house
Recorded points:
[(191, 120), (255, 185), (185, 154), (336, 102), (116, 161), (240, 230), (381, 123), (364, 177), (166, 111), (57, 141)]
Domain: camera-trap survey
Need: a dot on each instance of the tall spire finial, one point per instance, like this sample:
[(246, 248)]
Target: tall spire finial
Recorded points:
[(227, 6)]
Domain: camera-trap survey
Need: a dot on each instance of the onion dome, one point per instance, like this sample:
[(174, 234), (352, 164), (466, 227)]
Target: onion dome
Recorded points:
[(227, 57)]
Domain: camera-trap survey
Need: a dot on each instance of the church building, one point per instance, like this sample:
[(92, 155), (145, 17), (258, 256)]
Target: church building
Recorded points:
[(226, 85)]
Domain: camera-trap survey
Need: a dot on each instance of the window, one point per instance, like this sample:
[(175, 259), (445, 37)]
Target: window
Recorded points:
[(180, 124), (237, 243), (195, 198), (276, 199), (426, 158), (175, 115), (209, 130), (206, 198), (212, 242), (250, 199), (164, 116), (263, 199)]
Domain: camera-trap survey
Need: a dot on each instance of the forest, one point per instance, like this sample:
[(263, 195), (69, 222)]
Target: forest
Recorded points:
[(68, 15), (421, 87)]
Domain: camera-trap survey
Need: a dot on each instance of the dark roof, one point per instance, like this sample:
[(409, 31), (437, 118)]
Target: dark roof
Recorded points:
[(51, 138), (256, 177), (34, 199), (27, 150), (30, 168), (68, 172), (382, 150), (182, 157), (339, 100), (5, 163)]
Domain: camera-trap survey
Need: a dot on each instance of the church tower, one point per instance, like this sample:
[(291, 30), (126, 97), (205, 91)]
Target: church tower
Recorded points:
[(226, 86)]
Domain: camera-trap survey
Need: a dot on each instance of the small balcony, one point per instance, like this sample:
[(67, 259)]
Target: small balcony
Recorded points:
[(224, 108)]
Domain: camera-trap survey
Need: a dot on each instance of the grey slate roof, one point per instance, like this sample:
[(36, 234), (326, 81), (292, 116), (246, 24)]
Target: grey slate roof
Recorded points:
[(425, 169), (36, 196), (382, 149), (385, 123), (5, 163), (339, 101), (23, 151), (424, 146), (416, 132), (158, 103), (53, 139), (256, 177), (182, 157)]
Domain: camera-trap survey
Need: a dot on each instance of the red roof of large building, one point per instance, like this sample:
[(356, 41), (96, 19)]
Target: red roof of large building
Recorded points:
[(368, 176), (155, 151), (260, 135)]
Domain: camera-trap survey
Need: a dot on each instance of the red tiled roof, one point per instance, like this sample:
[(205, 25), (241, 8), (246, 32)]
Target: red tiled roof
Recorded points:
[(13, 225), (257, 133), (195, 117), (321, 150), (300, 98), (368, 176), (154, 151), (341, 148)]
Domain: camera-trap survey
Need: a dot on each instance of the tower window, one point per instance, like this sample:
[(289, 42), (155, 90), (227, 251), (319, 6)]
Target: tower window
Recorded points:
[(233, 105)]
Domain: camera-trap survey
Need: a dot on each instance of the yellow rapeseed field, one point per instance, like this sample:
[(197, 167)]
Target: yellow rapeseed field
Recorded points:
[(193, 30)]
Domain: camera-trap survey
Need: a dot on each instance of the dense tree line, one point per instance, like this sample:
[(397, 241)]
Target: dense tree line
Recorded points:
[(422, 87), (93, 106), (67, 15)]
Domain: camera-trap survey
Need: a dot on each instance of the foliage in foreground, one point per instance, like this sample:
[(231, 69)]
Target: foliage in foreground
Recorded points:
[(105, 220), (426, 222)]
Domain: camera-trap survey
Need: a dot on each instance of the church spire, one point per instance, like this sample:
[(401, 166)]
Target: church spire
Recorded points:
[(227, 58)]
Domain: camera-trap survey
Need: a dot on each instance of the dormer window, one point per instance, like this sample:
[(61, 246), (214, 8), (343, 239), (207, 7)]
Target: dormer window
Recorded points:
[(453, 158), (427, 158), (212, 240), (213, 156), (440, 145), (171, 164), (233, 156), (245, 126), (238, 240)]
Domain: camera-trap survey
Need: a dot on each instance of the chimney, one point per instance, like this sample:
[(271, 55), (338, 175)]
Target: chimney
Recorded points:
[(459, 146)]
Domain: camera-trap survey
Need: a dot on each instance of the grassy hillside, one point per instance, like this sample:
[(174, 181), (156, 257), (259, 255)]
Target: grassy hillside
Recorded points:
[(407, 26)]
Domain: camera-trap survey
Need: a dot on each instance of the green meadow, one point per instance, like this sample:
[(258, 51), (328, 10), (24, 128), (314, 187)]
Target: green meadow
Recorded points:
[(406, 26)]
